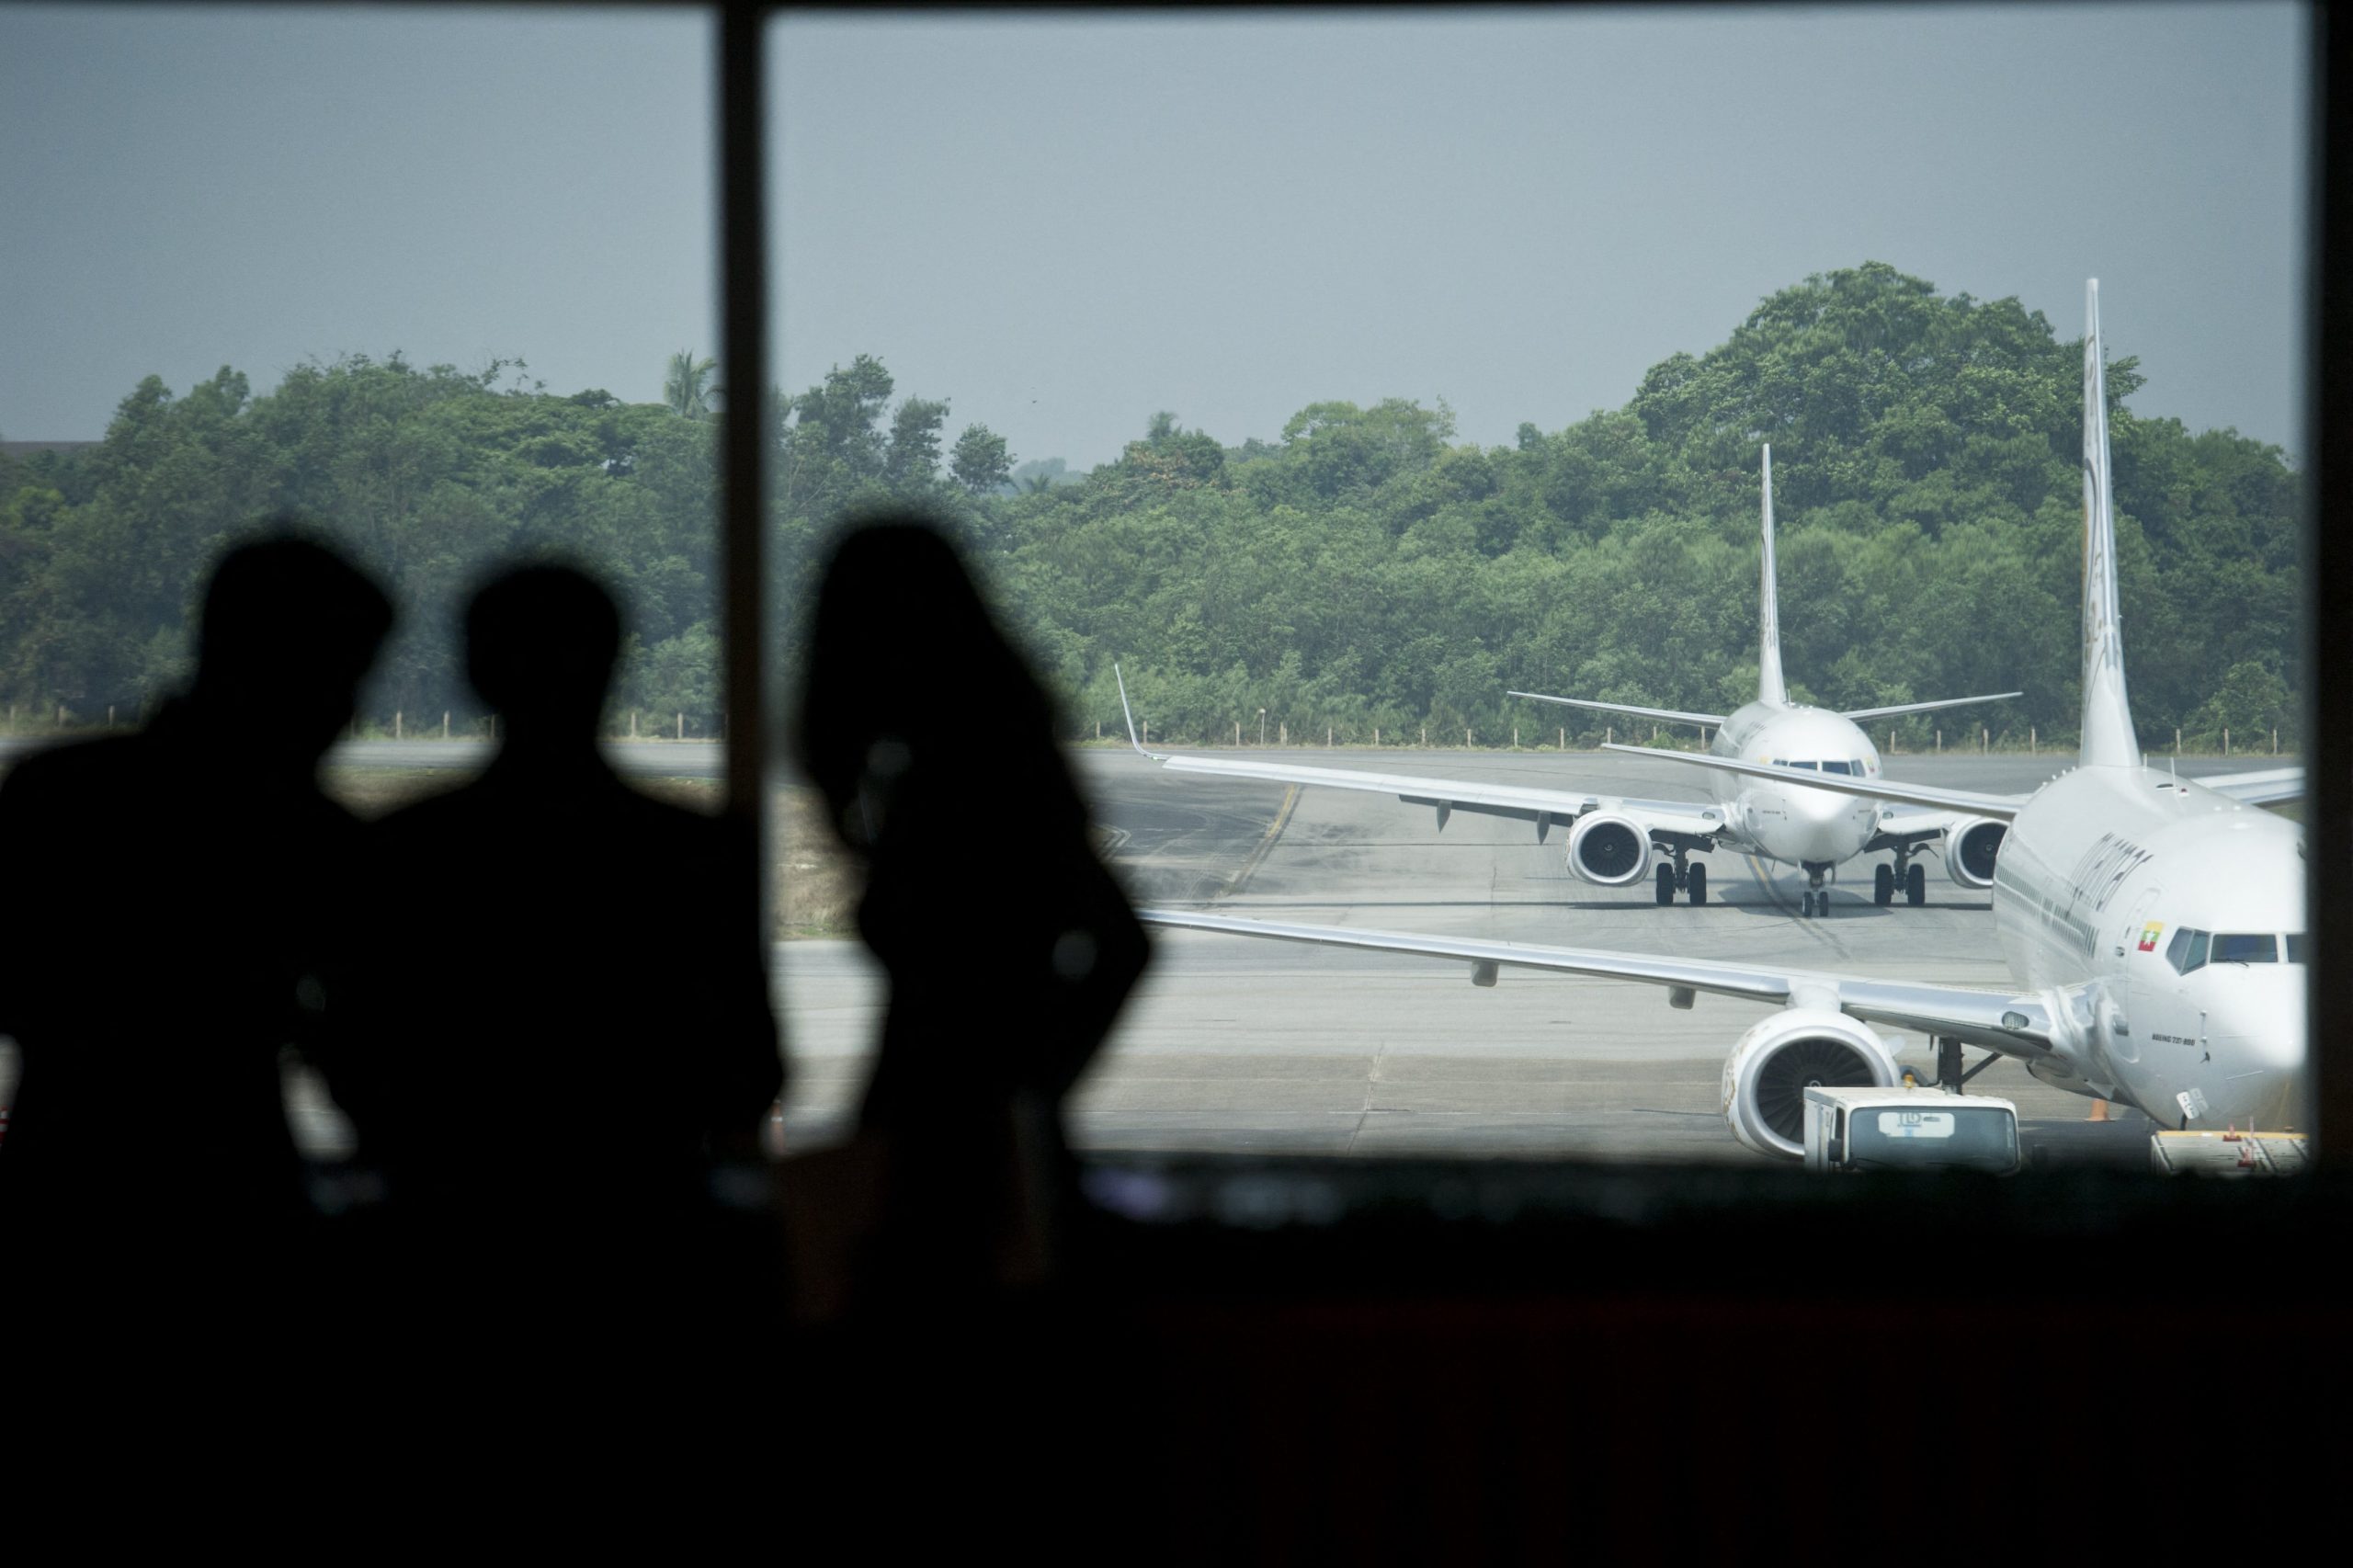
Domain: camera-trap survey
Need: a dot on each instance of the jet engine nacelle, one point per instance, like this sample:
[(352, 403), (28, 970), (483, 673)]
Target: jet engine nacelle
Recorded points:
[(1767, 1074), (1609, 848), (1971, 845)]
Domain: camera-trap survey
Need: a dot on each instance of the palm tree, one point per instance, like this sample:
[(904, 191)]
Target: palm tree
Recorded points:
[(686, 388)]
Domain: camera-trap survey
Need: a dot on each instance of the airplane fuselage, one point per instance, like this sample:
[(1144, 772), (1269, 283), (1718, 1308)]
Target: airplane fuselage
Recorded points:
[(2164, 925), (1788, 823)]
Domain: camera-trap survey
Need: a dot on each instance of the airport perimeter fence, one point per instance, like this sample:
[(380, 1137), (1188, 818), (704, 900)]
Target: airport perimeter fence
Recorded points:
[(448, 724), (638, 724)]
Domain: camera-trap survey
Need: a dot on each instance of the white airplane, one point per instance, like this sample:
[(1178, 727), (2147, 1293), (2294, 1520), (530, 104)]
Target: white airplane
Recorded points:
[(1612, 838), (2154, 926)]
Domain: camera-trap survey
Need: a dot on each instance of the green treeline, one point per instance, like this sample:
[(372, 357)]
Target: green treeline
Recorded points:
[(425, 474), (1362, 570)]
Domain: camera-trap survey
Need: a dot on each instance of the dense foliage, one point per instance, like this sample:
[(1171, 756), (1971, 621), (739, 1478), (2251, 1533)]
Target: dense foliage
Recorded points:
[(1362, 570)]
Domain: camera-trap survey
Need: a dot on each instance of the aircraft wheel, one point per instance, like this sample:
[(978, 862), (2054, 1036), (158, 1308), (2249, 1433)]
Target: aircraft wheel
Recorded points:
[(1916, 885), (1883, 883), (1699, 882), (1806, 905), (1666, 884)]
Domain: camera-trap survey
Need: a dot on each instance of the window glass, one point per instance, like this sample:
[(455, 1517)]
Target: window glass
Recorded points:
[(2255, 946), (2295, 940), (2177, 950), (436, 281), (1186, 351), (1958, 1135), (2199, 941)]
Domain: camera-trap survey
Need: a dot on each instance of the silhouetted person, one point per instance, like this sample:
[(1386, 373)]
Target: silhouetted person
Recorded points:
[(172, 900), (1008, 946), (572, 1020)]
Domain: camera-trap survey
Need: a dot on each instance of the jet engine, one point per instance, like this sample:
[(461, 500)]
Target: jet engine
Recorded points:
[(1970, 847), (1609, 848), (1767, 1074)]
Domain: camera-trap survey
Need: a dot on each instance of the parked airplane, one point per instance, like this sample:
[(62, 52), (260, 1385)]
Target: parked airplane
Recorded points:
[(2154, 926), (1612, 839)]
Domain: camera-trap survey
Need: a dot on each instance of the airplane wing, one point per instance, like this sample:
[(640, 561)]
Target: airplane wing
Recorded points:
[(2001, 808), (1542, 807), (1686, 819), (2263, 789), (1926, 706), (1671, 715), (2011, 1023), (1914, 823)]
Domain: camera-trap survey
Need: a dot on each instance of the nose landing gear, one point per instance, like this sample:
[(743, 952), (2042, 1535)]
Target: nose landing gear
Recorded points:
[(1818, 897)]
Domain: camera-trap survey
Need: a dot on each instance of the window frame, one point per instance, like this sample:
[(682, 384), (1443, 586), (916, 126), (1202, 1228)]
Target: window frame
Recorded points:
[(741, 107)]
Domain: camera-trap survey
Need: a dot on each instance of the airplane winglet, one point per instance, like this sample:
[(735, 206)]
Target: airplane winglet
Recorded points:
[(1129, 715)]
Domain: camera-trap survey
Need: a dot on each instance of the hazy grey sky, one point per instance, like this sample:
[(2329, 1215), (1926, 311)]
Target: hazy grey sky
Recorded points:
[(1062, 224), (185, 188)]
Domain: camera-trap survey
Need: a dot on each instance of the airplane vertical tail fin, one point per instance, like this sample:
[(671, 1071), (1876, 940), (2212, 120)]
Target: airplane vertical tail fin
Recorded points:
[(2109, 739), (1770, 685)]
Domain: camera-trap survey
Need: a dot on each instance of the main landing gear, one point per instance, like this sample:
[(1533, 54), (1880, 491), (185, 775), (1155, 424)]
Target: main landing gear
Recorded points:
[(1818, 897), (1683, 877), (1951, 1074), (1907, 874)]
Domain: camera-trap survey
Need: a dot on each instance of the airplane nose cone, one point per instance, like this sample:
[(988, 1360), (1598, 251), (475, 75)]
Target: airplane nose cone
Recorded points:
[(2259, 1038), (1829, 827)]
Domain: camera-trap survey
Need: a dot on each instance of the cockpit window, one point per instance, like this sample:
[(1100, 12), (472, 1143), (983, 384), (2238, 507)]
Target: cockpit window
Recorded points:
[(2189, 950), (2295, 940), (1835, 766), (2178, 950), (2255, 946)]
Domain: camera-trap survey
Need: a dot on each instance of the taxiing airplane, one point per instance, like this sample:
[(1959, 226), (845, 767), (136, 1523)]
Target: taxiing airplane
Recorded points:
[(1613, 839), (2154, 926)]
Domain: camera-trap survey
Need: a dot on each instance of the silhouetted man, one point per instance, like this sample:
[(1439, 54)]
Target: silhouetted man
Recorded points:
[(574, 1016), (173, 898)]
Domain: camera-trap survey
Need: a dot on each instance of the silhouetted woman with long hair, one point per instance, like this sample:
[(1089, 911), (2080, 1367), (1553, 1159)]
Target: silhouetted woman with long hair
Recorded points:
[(1008, 946)]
